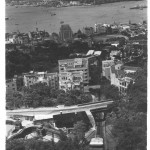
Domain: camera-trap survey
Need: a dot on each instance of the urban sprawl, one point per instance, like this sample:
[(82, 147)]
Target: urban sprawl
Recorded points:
[(75, 74), (60, 3)]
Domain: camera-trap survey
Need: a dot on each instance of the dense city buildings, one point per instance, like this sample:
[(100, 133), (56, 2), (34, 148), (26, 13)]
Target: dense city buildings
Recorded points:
[(78, 80)]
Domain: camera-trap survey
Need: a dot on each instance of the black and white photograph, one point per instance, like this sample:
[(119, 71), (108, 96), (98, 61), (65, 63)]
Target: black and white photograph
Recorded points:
[(76, 74)]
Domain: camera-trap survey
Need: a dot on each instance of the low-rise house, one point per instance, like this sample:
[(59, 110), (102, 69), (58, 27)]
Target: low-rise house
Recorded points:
[(50, 79), (122, 76)]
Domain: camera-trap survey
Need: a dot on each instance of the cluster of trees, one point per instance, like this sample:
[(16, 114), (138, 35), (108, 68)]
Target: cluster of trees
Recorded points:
[(129, 116), (40, 95), (44, 57)]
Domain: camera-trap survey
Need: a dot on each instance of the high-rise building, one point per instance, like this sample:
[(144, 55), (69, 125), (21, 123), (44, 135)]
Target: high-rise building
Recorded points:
[(79, 64), (65, 32)]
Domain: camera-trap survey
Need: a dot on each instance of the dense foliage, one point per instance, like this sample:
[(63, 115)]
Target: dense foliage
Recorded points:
[(130, 120), (41, 95), (43, 57), (75, 141)]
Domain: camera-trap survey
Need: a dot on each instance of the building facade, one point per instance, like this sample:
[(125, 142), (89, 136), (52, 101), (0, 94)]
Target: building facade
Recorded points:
[(106, 68), (65, 32), (100, 29), (53, 79), (71, 80), (78, 64), (11, 86), (50, 79)]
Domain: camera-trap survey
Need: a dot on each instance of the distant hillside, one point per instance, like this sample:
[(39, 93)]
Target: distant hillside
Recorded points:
[(82, 1)]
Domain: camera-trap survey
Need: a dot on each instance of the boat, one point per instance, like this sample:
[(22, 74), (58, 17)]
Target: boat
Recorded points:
[(138, 7), (61, 22), (6, 18), (52, 14), (135, 7)]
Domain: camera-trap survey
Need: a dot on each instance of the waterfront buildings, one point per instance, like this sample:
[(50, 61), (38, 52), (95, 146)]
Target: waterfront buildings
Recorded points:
[(100, 29), (88, 31), (65, 32)]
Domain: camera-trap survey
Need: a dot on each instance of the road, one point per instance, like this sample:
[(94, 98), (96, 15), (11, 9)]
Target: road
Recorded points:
[(50, 111)]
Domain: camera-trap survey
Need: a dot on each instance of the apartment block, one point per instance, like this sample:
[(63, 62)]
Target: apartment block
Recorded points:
[(71, 80), (50, 79), (53, 79), (78, 64)]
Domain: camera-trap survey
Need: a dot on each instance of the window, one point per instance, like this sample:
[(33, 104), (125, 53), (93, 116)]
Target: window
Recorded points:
[(62, 69), (125, 84)]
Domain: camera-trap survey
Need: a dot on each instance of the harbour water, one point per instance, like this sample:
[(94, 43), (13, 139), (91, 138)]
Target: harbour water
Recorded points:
[(27, 18)]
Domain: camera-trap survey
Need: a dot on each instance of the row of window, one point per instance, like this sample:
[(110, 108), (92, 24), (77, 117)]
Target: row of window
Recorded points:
[(11, 85), (123, 84)]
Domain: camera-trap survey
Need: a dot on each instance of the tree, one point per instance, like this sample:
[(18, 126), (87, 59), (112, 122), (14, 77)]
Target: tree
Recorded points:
[(14, 100), (79, 130), (110, 92), (138, 91), (129, 122)]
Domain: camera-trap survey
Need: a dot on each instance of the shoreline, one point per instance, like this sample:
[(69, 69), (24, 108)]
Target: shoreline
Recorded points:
[(82, 5), (27, 18)]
